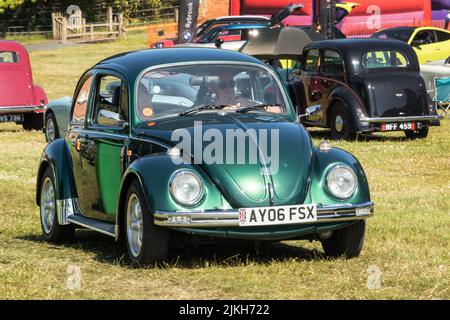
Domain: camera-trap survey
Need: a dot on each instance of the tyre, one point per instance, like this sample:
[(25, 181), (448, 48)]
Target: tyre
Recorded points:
[(33, 122), (146, 243), (341, 123), (417, 134), (51, 128), (346, 242), (51, 229)]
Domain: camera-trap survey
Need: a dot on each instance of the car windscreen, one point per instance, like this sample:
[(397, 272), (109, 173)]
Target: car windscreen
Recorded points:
[(384, 59), (169, 91), (402, 34), (9, 57)]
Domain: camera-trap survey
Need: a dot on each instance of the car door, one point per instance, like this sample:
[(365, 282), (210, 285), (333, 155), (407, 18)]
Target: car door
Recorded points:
[(442, 45), (424, 43), (332, 75), (100, 147), (312, 82)]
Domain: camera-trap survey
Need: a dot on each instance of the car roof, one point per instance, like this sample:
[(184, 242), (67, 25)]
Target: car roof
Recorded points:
[(354, 48), (242, 26), (241, 18), (11, 45), (360, 44), (133, 62)]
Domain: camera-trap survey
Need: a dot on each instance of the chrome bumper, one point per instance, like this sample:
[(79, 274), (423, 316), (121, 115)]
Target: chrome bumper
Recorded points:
[(230, 218), (400, 119), (20, 109)]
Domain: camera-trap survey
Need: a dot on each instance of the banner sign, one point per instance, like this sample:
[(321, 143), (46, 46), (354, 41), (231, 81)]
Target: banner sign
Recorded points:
[(325, 17), (187, 20)]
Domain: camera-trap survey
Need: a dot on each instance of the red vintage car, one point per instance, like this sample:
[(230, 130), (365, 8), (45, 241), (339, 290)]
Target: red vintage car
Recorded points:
[(20, 100)]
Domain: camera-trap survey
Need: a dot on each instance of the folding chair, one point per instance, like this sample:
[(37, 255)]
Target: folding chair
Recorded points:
[(442, 96)]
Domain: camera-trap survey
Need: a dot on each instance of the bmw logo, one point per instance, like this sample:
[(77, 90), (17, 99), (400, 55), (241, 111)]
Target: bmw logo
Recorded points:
[(187, 35)]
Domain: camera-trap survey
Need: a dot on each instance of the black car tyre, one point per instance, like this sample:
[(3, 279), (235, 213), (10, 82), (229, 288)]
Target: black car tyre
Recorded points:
[(33, 122), (341, 123), (146, 243), (417, 134), (51, 229), (347, 242), (51, 128)]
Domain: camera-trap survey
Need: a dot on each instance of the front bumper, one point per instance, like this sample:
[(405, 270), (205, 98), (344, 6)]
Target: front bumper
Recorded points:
[(230, 218), (402, 119), (20, 109)]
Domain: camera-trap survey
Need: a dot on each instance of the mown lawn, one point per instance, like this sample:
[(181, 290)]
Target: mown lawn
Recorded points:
[(408, 240)]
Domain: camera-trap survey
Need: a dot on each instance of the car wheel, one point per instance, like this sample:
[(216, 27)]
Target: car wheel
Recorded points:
[(346, 242), (417, 134), (146, 243), (51, 229), (341, 123), (51, 128)]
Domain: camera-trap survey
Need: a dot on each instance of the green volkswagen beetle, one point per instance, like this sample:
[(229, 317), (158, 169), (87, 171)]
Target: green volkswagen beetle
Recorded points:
[(201, 142)]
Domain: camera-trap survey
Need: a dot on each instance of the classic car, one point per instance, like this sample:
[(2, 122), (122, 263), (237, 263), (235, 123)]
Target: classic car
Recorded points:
[(429, 43), (122, 170), (363, 86), (21, 101)]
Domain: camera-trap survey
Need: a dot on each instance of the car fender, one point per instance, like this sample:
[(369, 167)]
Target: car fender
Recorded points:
[(153, 173), (61, 110), (324, 161), (347, 96), (56, 155), (40, 98)]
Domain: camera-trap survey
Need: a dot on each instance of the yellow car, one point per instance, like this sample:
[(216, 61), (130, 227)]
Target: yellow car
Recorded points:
[(429, 43)]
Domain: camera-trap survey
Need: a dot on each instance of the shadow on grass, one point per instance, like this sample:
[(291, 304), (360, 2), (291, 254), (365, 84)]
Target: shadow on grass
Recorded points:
[(326, 135), (197, 255)]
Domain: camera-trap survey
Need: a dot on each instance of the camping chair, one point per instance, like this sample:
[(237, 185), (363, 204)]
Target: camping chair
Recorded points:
[(442, 96)]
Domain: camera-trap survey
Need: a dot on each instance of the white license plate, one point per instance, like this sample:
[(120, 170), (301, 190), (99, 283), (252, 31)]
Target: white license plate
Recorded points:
[(266, 216), (11, 118)]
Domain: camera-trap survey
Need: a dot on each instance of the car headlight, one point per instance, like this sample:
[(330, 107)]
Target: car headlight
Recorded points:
[(186, 187), (341, 181)]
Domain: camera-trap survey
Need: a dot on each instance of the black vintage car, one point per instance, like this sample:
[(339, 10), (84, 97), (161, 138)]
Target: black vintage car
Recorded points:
[(363, 86)]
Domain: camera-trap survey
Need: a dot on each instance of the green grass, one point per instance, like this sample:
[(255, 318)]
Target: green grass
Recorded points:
[(408, 239)]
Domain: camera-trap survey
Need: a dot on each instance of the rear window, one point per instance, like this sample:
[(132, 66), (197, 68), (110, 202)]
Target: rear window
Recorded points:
[(384, 59), (9, 57)]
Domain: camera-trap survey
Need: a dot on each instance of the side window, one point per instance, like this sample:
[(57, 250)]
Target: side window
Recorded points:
[(311, 60), (81, 102), (111, 107), (424, 37), (332, 63), (442, 36)]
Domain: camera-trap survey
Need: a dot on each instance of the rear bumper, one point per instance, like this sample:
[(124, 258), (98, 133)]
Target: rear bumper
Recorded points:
[(401, 119), (230, 218), (20, 109)]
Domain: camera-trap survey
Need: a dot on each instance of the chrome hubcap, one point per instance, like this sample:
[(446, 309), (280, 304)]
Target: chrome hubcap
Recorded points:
[(135, 228), (47, 205), (50, 130), (339, 123)]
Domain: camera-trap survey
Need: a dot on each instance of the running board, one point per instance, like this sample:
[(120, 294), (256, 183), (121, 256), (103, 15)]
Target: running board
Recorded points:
[(96, 225)]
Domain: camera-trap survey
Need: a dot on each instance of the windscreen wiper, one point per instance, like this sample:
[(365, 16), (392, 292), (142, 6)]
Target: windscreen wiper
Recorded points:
[(256, 106), (204, 107)]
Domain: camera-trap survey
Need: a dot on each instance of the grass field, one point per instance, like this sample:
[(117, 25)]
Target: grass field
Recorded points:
[(408, 239)]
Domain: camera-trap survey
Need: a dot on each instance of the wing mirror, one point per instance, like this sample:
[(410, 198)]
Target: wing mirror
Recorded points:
[(310, 111), (218, 43), (110, 119)]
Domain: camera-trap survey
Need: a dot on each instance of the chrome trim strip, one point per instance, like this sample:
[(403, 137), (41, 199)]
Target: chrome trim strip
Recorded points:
[(19, 109), (90, 227), (397, 119), (230, 218)]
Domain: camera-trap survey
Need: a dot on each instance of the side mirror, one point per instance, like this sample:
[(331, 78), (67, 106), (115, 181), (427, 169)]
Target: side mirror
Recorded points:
[(110, 119), (218, 43), (310, 111)]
